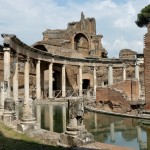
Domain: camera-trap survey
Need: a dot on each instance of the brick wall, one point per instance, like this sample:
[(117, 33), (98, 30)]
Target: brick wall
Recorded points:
[(115, 96), (127, 90), (130, 88), (147, 68)]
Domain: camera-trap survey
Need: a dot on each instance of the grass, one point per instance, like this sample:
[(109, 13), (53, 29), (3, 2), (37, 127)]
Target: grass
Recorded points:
[(12, 140)]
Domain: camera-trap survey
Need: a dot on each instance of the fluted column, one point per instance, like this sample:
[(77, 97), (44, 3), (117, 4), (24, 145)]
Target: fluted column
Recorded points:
[(110, 75), (80, 81), (63, 81), (94, 81), (7, 69), (15, 80), (137, 70), (50, 80), (124, 72), (38, 80)]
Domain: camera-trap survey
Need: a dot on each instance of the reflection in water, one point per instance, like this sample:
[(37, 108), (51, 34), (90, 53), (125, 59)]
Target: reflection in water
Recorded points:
[(116, 130), (105, 128), (52, 117)]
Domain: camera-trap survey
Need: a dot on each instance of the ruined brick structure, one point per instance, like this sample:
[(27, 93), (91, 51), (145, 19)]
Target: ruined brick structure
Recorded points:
[(147, 66), (78, 40), (76, 61)]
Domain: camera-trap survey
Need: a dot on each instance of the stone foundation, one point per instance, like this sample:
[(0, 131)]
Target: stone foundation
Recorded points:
[(76, 137)]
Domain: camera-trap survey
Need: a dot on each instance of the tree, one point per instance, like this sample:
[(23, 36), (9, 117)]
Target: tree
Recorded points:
[(143, 18)]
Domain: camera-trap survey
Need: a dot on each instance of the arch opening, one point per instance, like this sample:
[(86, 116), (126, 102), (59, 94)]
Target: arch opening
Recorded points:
[(81, 44)]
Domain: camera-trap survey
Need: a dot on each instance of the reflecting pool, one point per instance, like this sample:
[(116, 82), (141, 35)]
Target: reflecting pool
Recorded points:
[(105, 128)]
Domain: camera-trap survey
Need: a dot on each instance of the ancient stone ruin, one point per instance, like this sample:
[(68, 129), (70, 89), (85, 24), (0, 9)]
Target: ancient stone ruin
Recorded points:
[(68, 64)]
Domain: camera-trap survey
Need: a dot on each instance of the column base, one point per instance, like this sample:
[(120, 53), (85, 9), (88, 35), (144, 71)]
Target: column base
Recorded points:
[(1, 110), (27, 124), (9, 116), (76, 136)]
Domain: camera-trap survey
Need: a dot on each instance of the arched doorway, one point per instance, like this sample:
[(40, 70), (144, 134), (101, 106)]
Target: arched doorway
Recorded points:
[(81, 44)]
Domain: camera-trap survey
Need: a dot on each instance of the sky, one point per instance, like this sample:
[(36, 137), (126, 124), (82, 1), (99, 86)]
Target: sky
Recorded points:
[(115, 20)]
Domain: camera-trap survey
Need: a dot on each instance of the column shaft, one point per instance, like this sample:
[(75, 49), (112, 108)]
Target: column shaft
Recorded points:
[(137, 71), (42, 83), (15, 80), (63, 81), (26, 85), (124, 73), (80, 81), (38, 80), (94, 81), (50, 80), (7, 69), (110, 75)]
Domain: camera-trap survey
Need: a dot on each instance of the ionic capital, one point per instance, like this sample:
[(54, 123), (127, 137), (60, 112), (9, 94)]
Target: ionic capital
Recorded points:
[(6, 49)]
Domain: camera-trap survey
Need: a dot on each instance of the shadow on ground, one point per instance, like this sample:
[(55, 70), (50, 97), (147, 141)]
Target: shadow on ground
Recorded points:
[(14, 144)]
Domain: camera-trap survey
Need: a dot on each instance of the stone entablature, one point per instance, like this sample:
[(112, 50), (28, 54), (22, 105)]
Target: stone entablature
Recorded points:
[(25, 50)]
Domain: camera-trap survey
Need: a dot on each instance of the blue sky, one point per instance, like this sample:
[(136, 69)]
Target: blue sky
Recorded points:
[(115, 20)]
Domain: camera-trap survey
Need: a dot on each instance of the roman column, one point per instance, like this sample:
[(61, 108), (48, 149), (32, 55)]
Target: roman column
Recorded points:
[(15, 79), (63, 81), (7, 69), (80, 81), (110, 75), (42, 81), (124, 72), (137, 70), (28, 112), (51, 80), (38, 80), (94, 81)]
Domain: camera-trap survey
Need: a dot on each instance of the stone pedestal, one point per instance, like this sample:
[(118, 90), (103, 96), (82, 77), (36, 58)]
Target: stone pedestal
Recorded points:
[(76, 134), (28, 120), (9, 110)]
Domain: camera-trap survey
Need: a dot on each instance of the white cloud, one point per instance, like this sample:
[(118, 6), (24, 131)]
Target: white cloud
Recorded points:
[(28, 19)]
